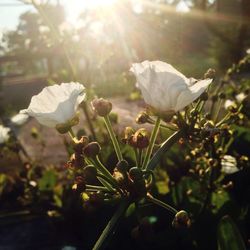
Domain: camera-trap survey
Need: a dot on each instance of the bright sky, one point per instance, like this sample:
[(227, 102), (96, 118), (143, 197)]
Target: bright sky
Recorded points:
[(10, 10)]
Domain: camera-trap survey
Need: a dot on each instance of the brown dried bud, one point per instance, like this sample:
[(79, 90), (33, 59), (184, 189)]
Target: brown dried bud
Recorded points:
[(96, 199), (92, 149), (204, 96), (142, 118), (210, 73), (101, 106), (122, 166), (181, 220), (135, 173), (128, 133), (90, 172), (79, 185), (140, 139)]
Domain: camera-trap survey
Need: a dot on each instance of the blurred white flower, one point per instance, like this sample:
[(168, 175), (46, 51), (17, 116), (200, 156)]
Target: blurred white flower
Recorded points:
[(228, 103), (19, 119), (240, 97), (57, 104), (229, 164), (4, 134), (165, 88), (248, 51)]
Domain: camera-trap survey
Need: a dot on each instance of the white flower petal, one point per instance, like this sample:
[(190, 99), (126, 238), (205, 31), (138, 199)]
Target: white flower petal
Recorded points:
[(228, 103), (165, 88), (191, 94), (56, 104), (19, 119), (229, 164), (240, 97), (4, 134)]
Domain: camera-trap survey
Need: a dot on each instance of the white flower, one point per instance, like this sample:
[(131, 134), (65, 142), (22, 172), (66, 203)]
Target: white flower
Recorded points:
[(229, 164), (19, 119), (57, 104), (4, 134), (165, 88), (228, 103), (240, 97)]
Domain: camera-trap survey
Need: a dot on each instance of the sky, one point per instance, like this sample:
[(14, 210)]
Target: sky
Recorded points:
[(10, 10)]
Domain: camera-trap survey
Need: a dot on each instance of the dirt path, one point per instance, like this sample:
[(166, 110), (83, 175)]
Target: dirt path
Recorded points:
[(53, 150)]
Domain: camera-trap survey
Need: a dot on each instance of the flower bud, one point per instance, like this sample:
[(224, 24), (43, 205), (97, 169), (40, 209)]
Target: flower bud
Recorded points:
[(140, 139), (222, 95), (122, 166), (210, 73), (128, 133), (181, 220), (96, 199), (135, 173), (63, 128), (90, 172), (92, 149), (204, 96), (142, 118), (79, 185), (101, 106)]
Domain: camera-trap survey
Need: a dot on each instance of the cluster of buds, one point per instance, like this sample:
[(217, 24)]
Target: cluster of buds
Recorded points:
[(77, 158)]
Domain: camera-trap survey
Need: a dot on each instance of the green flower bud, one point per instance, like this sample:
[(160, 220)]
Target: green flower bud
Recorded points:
[(92, 149), (65, 127), (101, 106)]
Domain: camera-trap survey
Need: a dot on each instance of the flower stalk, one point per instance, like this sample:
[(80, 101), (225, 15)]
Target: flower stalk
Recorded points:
[(111, 226), (161, 204), (151, 142), (113, 138)]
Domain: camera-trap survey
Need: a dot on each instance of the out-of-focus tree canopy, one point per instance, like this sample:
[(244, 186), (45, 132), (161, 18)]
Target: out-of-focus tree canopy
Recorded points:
[(212, 33)]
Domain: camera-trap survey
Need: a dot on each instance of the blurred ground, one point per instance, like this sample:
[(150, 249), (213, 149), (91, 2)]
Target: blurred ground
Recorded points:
[(51, 149)]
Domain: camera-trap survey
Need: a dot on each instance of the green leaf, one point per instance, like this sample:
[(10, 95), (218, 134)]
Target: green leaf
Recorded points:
[(219, 198), (48, 180), (164, 147), (130, 210), (228, 235)]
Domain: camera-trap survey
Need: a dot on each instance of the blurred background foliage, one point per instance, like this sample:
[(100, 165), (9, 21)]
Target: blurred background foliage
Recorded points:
[(193, 35), (106, 40)]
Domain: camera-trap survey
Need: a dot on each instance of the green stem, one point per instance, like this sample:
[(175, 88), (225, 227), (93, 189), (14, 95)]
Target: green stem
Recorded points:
[(113, 138), (72, 135), (140, 157), (164, 147), (111, 226), (151, 142), (96, 188), (136, 157), (87, 116), (97, 163), (161, 204), (218, 108)]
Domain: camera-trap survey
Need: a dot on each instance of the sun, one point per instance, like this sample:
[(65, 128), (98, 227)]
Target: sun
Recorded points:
[(75, 7), (98, 3)]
